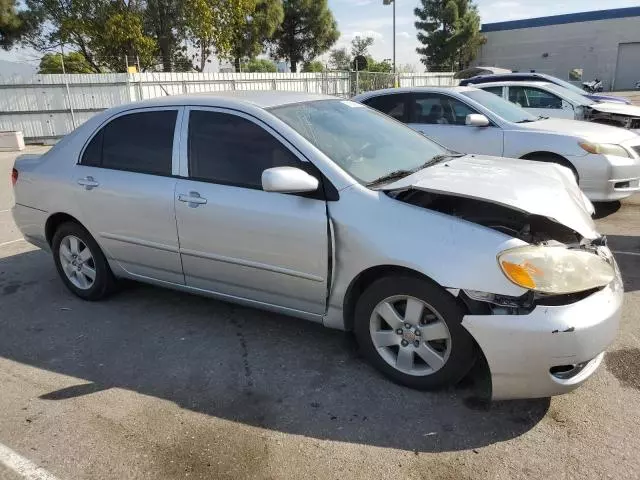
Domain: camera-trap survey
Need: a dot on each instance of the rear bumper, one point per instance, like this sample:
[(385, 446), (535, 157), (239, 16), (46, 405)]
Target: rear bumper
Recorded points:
[(31, 223), (550, 351)]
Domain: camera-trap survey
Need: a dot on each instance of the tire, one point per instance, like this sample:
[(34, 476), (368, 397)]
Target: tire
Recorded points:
[(103, 282), (448, 360)]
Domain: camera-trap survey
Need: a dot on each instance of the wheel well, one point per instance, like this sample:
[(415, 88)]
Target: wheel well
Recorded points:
[(366, 278), (551, 157), (54, 221)]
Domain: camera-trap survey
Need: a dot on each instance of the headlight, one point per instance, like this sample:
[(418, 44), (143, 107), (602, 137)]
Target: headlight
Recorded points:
[(555, 269), (605, 149)]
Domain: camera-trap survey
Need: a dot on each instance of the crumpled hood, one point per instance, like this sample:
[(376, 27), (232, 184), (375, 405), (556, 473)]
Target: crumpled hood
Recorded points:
[(594, 132), (618, 108), (532, 187)]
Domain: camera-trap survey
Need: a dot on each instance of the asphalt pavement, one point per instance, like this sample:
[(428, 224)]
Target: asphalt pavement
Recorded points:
[(162, 385)]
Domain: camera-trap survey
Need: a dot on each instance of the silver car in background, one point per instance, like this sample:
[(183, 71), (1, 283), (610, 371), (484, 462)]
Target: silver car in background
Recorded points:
[(605, 160), (326, 210)]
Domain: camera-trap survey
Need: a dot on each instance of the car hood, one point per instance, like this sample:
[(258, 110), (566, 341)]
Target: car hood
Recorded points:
[(531, 187), (618, 108), (594, 132)]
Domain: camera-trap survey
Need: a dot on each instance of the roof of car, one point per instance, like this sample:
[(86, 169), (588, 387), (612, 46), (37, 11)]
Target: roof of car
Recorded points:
[(535, 83), (262, 99), (384, 91)]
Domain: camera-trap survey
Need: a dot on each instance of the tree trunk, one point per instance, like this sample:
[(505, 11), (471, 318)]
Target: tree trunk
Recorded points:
[(165, 53), (236, 63), (203, 58)]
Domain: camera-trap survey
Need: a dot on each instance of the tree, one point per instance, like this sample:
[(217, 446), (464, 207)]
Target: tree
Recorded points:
[(260, 65), (14, 24), (255, 29), (450, 33), (308, 30), (360, 46), (211, 25), (74, 62), (382, 67), (164, 22), (339, 59), (313, 66)]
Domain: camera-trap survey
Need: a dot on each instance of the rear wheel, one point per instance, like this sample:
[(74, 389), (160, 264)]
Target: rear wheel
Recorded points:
[(80, 262), (410, 330)]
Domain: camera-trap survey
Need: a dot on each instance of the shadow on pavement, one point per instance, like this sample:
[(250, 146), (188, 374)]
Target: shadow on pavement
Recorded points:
[(605, 209), (234, 363)]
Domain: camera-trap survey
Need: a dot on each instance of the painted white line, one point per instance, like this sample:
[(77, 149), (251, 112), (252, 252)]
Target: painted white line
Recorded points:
[(4, 211), (12, 241), (22, 466), (635, 254)]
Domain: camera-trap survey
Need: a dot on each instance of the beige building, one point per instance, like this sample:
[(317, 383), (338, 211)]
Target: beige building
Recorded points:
[(603, 44)]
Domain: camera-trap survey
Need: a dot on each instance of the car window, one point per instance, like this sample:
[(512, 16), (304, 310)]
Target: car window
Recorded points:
[(433, 108), (494, 90), (136, 142), (232, 150), (362, 141), (392, 105), (530, 97)]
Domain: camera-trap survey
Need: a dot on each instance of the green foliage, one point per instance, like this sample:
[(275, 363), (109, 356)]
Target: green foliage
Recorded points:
[(308, 30), (261, 65), (339, 59), (14, 24), (74, 62), (313, 66), (450, 33), (382, 67), (254, 30), (360, 46)]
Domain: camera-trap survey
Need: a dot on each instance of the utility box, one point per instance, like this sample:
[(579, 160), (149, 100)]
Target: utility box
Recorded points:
[(11, 141)]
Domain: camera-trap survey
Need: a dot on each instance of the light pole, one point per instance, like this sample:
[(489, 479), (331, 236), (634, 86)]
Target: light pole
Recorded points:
[(387, 2)]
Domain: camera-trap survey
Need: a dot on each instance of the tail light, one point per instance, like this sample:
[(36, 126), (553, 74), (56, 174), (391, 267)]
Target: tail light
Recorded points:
[(14, 177)]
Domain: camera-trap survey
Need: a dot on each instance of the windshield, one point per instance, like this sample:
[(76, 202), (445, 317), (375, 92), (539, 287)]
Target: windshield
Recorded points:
[(577, 98), (498, 105), (365, 143)]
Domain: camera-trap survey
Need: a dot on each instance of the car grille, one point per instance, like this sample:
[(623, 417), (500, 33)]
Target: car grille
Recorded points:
[(635, 123)]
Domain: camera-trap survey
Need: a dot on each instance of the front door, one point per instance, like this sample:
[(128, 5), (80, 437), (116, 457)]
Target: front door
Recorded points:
[(235, 238), (124, 188), (442, 118), (540, 103)]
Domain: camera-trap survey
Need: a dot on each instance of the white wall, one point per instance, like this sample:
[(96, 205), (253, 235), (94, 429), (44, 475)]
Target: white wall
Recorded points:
[(592, 46), (39, 106)]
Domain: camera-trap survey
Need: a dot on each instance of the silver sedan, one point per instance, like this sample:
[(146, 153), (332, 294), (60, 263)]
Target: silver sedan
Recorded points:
[(326, 210)]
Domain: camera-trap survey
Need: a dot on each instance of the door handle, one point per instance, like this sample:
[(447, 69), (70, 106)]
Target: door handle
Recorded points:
[(88, 183), (193, 199)]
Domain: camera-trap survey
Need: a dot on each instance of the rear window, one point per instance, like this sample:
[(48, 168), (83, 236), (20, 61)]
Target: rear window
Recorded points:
[(137, 142)]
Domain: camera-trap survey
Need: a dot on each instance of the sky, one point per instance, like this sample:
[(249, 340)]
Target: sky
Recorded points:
[(372, 18)]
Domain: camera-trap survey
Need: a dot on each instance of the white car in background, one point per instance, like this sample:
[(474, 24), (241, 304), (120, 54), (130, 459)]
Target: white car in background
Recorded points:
[(549, 100), (604, 160)]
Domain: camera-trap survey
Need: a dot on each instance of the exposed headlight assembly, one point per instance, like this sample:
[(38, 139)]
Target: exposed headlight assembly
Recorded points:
[(555, 270), (604, 149)]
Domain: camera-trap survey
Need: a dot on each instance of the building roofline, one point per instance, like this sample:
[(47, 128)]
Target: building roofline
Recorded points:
[(562, 19)]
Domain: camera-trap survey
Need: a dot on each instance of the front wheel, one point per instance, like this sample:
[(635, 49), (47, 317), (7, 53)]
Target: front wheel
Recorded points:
[(411, 330)]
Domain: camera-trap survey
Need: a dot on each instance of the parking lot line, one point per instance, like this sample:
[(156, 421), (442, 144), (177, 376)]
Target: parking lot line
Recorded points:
[(11, 241), (636, 254), (4, 211), (22, 466)]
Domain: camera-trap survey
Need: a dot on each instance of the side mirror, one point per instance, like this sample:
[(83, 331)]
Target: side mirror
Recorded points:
[(476, 120), (288, 180)]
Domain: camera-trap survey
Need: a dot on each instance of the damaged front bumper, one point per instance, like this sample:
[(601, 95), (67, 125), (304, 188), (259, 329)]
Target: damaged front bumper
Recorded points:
[(551, 350)]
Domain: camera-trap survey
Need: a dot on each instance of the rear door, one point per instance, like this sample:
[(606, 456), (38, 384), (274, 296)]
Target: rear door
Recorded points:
[(540, 102), (125, 188), (442, 118), (235, 238)]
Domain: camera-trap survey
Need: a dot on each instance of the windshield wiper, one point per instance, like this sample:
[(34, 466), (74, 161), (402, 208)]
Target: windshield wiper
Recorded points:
[(403, 173), (390, 176), (528, 120)]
